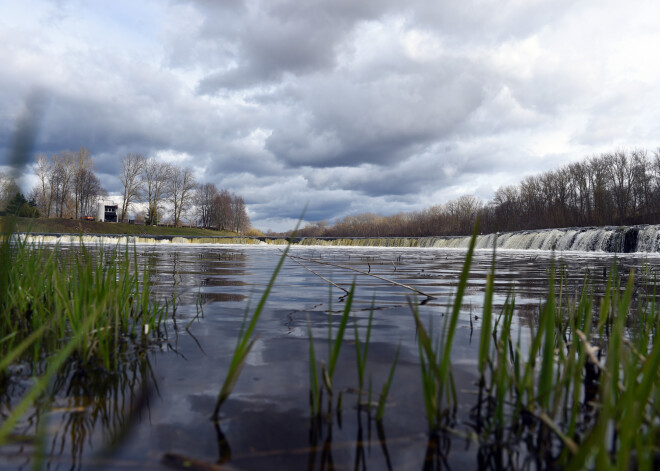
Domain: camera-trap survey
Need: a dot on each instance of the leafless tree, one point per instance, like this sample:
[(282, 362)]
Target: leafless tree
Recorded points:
[(81, 168), (612, 188), (181, 187), (223, 216), (43, 169), (599, 174), (580, 176), (507, 207), (155, 177), (205, 197), (643, 187), (467, 210), (61, 180), (90, 192), (132, 166), (622, 180)]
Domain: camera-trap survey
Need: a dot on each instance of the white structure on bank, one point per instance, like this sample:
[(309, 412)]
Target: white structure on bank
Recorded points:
[(107, 211)]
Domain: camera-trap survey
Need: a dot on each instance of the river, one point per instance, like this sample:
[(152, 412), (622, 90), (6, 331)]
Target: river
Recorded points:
[(157, 413)]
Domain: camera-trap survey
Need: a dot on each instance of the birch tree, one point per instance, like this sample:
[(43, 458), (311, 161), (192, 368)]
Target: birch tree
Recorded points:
[(90, 192), (181, 184), (81, 168), (132, 166), (43, 169), (204, 200), (223, 215), (155, 177), (241, 219), (61, 178)]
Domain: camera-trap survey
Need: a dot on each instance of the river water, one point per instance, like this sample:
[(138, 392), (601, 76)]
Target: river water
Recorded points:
[(156, 413)]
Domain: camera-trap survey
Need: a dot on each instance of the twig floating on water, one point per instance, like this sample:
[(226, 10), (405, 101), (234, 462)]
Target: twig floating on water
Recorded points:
[(320, 276), (428, 296)]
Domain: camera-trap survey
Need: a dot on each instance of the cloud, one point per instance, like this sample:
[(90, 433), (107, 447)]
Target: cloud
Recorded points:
[(376, 105)]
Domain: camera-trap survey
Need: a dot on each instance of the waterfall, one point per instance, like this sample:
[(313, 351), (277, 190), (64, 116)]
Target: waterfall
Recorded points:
[(590, 239)]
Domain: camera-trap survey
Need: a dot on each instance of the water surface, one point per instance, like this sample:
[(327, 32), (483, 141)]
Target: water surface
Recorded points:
[(156, 413)]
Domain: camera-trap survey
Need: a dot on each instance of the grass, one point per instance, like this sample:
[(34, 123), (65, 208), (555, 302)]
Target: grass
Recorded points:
[(361, 351), (435, 357), (533, 396), (57, 308)]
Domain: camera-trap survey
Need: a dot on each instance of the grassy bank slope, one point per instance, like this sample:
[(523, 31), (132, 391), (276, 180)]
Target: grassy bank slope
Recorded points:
[(71, 226)]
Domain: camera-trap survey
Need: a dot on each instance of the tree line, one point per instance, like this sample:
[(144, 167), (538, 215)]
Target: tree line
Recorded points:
[(613, 188), (68, 187)]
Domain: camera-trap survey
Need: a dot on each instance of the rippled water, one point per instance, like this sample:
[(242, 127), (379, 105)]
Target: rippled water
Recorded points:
[(158, 414)]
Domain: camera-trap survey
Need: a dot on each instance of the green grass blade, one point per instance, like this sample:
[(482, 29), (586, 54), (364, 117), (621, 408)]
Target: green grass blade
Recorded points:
[(332, 361), (386, 387)]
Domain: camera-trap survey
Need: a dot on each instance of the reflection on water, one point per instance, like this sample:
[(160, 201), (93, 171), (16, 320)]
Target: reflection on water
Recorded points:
[(156, 412), (84, 410)]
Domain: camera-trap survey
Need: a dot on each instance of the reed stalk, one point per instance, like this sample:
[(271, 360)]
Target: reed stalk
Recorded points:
[(245, 342), (361, 352), (386, 387), (435, 363)]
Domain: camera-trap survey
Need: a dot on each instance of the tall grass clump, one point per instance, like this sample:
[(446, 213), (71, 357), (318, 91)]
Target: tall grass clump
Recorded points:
[(583, 393), (435, 354), (57, 307), (328, 370)]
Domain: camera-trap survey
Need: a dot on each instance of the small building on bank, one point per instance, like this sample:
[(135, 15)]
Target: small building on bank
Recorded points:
[(107, 211)]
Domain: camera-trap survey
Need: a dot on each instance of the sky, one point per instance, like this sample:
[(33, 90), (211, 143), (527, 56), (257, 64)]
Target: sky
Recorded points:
[(342, 106)]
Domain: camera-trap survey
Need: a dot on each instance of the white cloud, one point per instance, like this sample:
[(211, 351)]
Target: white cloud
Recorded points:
[(349, 106)]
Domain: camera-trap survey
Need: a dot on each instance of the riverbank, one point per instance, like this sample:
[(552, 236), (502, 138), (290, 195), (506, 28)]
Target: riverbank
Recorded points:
[(73, 226)]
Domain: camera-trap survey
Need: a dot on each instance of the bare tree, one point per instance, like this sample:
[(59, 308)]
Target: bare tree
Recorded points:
[(507, 204), (132, 166), (580, 176), (155, 177), (90, 192), (643, 189), (181, 186), (622, 178), (241, 219), (204, 200), (43, 169), (81, 167), (223, 215), (467, 208), (61, 178)]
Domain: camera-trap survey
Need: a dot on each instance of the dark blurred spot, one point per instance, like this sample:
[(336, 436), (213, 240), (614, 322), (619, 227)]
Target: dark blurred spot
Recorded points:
[(26, 131)]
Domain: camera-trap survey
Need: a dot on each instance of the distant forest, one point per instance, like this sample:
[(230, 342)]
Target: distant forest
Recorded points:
[(69, 188), (618, 188)]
